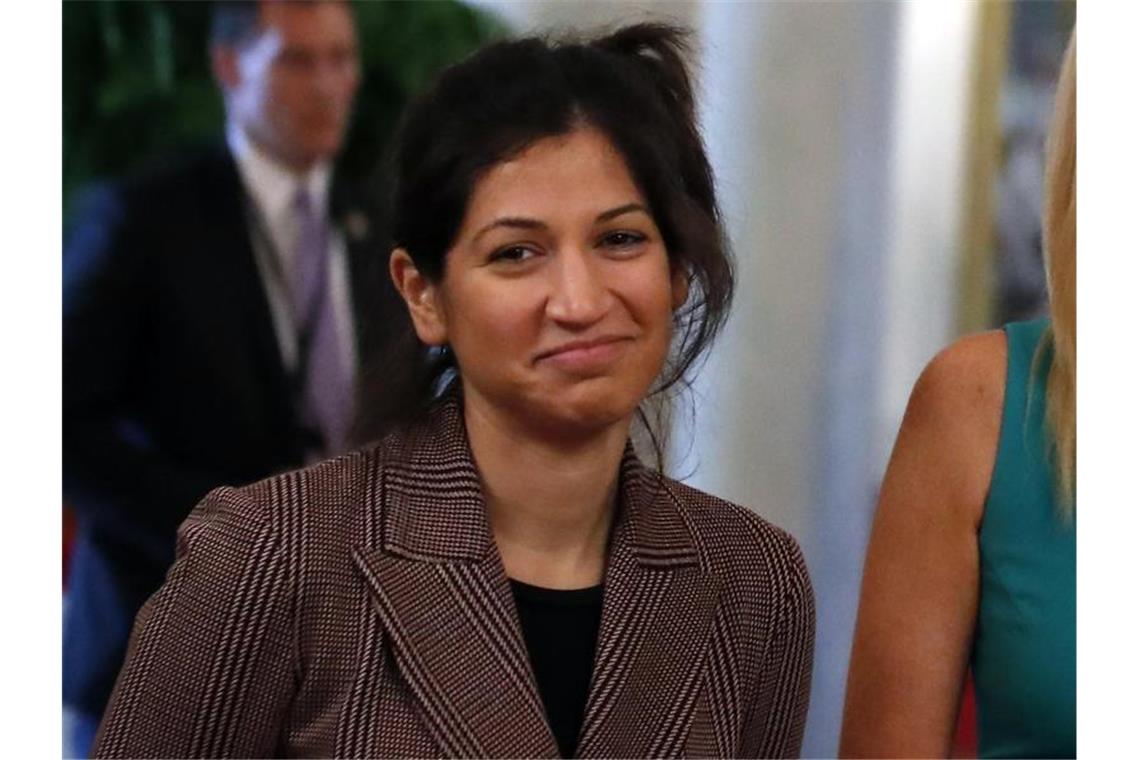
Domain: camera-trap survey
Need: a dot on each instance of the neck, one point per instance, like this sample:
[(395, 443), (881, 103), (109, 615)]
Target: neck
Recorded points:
[(550, 502), (297, 167)]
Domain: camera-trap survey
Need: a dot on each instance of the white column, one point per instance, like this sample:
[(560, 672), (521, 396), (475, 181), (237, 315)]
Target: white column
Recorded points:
[(928, 172)]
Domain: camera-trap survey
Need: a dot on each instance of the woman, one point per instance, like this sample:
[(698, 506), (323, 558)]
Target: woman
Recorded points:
[(972, 560), (500, 575)]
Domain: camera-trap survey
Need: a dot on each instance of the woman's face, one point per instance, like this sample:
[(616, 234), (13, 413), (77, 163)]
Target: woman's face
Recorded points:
[(557, 296)]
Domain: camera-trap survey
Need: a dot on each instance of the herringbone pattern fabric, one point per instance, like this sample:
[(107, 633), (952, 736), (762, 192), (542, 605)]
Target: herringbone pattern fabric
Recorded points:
[(358, 608)]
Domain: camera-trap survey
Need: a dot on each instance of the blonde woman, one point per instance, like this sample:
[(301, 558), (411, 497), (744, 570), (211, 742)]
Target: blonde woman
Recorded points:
[(972, 559)]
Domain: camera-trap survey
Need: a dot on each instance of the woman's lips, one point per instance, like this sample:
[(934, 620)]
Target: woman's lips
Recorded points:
[(585, 356)]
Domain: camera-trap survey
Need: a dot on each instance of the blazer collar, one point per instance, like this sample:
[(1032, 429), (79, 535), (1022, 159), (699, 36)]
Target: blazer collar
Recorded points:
[(435, 511), (439, 588)]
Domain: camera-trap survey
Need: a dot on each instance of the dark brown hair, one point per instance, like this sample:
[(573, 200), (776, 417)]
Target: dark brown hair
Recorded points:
[(633, 86)]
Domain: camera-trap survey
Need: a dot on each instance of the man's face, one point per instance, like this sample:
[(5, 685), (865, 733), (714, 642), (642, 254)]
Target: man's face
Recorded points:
[(291, 87)]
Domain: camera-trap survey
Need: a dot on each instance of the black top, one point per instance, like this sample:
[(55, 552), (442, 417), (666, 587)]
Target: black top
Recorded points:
[(561, 632)]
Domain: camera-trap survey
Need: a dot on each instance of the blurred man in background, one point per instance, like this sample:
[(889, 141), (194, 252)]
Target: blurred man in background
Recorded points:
[(222, 292)]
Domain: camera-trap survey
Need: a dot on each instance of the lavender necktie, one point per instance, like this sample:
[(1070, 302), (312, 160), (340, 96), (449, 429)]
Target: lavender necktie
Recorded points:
[(326, 391)]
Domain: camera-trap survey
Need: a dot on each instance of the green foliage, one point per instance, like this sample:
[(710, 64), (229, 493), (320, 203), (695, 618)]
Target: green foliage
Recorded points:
[(403, 45), (137, 81)]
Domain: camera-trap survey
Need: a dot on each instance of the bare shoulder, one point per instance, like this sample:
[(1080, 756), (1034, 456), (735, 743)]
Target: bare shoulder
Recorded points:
[(953, 419), (958, 397), (966, 376)]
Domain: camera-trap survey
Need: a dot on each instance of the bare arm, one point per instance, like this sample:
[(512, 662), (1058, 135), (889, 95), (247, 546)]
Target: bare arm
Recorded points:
[(920, 582)]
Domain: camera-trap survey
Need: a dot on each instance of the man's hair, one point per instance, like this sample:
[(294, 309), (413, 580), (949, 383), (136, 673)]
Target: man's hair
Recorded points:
[(235, 22)]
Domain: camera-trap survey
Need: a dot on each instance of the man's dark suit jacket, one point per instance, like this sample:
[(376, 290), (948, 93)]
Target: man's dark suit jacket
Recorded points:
[(359, 608), (173, 384)]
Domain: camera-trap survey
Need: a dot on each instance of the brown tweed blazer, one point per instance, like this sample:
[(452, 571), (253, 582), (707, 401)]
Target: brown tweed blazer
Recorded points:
[(358, 608)]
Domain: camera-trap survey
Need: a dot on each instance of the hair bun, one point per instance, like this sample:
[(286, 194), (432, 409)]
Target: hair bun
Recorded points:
[(662, 49)]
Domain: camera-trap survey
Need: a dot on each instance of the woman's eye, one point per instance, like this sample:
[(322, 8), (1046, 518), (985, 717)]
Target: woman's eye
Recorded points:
[(512, 253), (622, 239)]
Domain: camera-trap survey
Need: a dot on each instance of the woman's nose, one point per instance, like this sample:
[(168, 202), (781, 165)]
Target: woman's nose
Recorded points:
[(579, 296)]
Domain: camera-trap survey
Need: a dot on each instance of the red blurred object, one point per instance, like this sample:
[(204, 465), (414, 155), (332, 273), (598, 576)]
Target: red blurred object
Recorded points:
[(966, 735), (68, 539)]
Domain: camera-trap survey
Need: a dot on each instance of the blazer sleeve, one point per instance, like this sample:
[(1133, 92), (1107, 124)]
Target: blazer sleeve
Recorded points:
[(779, 709), (211, 668), (114, 476)]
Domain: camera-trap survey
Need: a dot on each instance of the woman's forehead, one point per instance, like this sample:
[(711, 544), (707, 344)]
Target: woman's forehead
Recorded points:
[(578, 173)]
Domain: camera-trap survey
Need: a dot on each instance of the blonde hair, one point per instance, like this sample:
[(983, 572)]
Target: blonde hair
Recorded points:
[(1059, 234)]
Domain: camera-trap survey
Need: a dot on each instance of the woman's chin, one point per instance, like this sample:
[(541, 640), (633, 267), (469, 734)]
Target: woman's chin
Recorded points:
[(585, 415), (576, 411)]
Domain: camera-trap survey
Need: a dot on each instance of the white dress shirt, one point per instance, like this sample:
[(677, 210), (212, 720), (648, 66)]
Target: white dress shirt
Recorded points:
[(272, 188)]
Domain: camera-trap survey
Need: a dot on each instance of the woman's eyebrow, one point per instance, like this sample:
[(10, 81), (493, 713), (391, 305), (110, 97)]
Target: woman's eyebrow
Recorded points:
[(613, 213), (526, 223), (517, 222)]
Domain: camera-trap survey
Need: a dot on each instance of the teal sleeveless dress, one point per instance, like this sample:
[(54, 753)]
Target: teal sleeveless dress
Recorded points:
[(1024, 654)]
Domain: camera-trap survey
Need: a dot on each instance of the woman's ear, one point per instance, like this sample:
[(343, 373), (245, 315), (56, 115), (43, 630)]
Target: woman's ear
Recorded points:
[(680, 287), (422, 297)]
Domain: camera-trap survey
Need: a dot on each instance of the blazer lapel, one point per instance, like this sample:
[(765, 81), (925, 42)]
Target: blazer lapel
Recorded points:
[(438, 585), (655, 628)]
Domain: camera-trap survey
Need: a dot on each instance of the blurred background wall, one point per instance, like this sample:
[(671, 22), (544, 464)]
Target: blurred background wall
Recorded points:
[(879, 169)]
